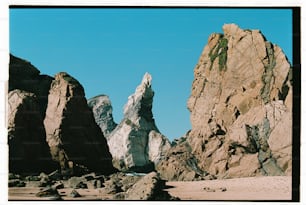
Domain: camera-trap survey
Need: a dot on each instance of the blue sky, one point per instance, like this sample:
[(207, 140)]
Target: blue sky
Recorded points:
[(109, 49)]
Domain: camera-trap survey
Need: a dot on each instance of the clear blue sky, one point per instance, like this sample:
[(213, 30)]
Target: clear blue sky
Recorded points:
[(108, 50)]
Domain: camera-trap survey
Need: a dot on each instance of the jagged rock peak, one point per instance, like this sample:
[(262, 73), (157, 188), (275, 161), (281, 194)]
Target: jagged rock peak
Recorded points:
[(136, 142), (140, 103), (103, 113)]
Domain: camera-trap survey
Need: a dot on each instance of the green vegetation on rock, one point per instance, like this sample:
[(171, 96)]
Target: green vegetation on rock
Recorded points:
[(220, 50)]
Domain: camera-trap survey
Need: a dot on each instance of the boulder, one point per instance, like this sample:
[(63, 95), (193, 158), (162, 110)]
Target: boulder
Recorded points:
[(28, 149), (180, 164), (149, 187), (103, 112), (136, 143), (50, 193), (72, 134)]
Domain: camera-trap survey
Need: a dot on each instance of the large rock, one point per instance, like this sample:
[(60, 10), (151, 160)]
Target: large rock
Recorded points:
[(241, 105), (180, 164), (136, 144), (24, 76), (72, 134), (28, 149), (103, 113), (150, 187)]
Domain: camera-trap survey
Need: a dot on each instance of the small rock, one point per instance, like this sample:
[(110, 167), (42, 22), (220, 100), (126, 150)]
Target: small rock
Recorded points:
[(90, 176), (223, 189), (43, 176), (77, 182), (119, 196), (56, 175), (45, 181), (16, 183), (32, 178), (208, 189), (49, 192), (14, 176), (58, 185), (75, 194)]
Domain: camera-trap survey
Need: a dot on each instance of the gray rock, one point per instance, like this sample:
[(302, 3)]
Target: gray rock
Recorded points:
[(103, 112), (75, 194)]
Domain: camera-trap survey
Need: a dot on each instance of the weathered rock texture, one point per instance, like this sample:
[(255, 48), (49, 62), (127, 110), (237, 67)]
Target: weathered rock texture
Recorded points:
[(241, 105), (180, 164), (136, 143), (72, 134), (28, 149), (150, 187), (103, 112), (24, 76)]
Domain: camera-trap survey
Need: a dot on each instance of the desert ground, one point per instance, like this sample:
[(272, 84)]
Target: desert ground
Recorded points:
[(247, 189)]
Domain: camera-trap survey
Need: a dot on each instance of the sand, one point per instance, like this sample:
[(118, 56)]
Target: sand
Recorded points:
[(247, 189)]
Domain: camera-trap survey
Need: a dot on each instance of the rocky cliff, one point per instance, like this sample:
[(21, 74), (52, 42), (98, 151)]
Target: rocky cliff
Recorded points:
[(240, 106), (136, 144), (72, 134), (103, 112)]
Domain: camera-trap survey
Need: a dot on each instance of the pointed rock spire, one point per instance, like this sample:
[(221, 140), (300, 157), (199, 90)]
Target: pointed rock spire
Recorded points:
[(136, 142)]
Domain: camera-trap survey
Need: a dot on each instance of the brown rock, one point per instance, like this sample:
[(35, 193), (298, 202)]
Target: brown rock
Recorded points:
[(72, 134), (149, 187), (180, 164), (239, 106)]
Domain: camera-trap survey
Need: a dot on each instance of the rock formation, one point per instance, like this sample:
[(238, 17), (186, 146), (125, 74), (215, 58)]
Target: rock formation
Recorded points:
[(241, 105), (28, 149), (136, 143), (103, 113), (24, 76), (72, 134), (149, 187)]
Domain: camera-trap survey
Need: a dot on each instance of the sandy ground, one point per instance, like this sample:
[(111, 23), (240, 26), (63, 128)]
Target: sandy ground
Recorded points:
[(254, 188)]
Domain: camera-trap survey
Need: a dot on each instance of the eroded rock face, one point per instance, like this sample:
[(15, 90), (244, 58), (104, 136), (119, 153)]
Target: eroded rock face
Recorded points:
[(179, 164), (238, 100), (103, 113), (241, 105), (28, 149), (24, 76), (72, 134), (136, 143)]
